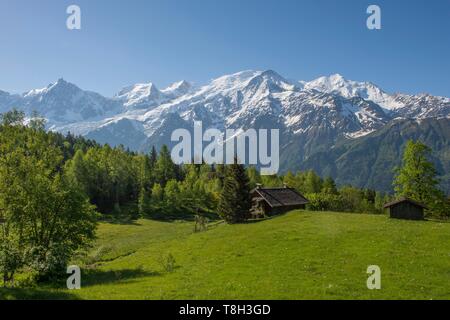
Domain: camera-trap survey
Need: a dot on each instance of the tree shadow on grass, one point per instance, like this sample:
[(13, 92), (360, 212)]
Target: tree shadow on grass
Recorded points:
[(181, 215), (98, 277), (251, 221), (430, 219), (35, 294), (120, 220), (89, 278)]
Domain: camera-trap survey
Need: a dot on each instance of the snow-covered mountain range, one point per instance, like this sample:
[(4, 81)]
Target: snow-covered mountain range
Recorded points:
[(322, 122), (248, 99)]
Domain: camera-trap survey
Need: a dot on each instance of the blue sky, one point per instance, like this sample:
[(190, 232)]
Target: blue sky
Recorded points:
[(162, 41)]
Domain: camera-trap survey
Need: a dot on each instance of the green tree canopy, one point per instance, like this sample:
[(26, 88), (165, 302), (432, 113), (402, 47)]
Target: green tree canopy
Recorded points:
[(416, 178), (47, 218)]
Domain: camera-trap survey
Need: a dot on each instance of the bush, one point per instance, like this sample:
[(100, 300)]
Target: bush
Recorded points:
[(347, 201), (201, 223), (325, 202), (50, 263), (11, 259), (167, 262)]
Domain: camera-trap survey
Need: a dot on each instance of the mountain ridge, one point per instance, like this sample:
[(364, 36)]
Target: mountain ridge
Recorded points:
[(312, 117)]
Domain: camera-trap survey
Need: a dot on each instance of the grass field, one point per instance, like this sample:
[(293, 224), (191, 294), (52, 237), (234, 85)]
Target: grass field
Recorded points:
[(300, 255)]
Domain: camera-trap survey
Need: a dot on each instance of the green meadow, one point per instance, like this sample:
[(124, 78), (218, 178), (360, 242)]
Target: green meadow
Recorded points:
[(299, 255)]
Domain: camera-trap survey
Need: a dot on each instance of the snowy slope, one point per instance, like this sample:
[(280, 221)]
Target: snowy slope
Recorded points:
[(337, 84), (409, 106), (63, 102), (330, 107)]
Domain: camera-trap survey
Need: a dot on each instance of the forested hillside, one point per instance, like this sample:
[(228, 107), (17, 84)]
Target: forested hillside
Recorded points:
[(369, 161)]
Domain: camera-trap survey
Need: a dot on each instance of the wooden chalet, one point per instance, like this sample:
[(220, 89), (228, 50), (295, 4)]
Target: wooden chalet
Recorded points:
[(405, 208), (273, 201)]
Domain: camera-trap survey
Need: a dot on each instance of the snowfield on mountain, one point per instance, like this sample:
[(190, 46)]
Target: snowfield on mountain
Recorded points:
[(313, 117)]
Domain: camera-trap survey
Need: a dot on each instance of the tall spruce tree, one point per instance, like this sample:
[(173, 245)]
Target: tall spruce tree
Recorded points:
[(144, 202), (153, 157), (329, 186), (235, 201), (165, 169)]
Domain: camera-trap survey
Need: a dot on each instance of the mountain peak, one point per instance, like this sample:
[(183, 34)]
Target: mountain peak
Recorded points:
[(337, 84), (232, 81), (271, 73), (337, 77), (180, 86), (270, 81), (328, 81), (59, 85), (140, 95), (138, 89), (63, 83)]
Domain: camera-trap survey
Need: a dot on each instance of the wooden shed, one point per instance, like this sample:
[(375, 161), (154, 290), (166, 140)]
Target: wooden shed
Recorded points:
[(272, 201), (405, 208)]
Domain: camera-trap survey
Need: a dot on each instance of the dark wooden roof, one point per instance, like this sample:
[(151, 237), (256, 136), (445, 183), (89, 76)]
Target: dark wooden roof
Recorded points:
[(393, 203), (281, 197)]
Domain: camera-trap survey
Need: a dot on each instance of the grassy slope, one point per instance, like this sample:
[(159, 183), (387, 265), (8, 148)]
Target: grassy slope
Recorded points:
[(301, 255)]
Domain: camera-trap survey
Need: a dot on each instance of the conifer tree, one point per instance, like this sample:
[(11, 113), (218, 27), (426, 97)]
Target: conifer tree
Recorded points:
[(165, 168), (153, 157), (313, 182), (144, 202), (235, 202), (329, 186)]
